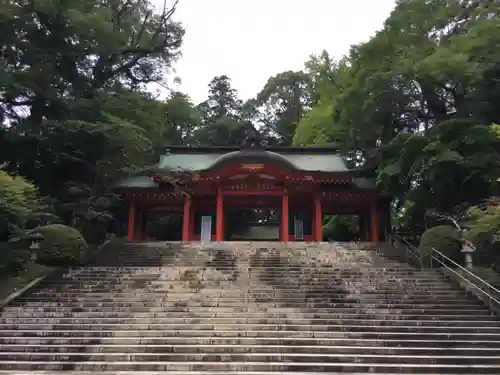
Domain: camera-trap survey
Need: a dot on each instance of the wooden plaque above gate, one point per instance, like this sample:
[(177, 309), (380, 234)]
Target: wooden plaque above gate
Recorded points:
[(252, 167)]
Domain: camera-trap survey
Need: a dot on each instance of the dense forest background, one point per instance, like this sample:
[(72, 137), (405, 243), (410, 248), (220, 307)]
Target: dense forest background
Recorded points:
[(418, 104)]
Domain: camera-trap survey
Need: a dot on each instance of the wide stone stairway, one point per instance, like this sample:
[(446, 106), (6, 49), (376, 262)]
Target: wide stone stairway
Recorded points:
[(247, 308)]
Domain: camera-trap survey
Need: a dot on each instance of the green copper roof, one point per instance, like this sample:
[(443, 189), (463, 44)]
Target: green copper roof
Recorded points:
[(317, 162), (138, 182), (200, 159), (195, 162)]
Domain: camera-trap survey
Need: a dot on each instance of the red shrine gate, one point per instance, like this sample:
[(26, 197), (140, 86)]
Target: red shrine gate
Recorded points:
[(293, 181)]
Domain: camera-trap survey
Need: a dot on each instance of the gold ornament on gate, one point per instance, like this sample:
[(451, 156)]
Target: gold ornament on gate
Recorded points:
[(252, 167)]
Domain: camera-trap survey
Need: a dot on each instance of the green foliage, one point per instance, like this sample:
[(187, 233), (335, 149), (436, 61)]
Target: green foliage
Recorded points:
[(443, 238), (417, 104), (61, 245), (78, 116), (484, 222), (284, 100), (14, 258), (223, 116), (20, 207), (341, 228), (20, 204)]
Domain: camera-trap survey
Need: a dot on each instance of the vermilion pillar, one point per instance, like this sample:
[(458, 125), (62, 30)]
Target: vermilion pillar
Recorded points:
[(131, 221), (192, 221), (284, 218), (186, 218), (318, 219), (219, 217), (373, 210)]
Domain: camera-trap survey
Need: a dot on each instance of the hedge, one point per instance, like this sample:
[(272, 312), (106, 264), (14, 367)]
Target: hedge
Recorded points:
[(61, 245), (443, 238)]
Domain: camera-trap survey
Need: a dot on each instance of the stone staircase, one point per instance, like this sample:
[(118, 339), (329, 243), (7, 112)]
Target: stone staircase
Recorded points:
[(247, 308)]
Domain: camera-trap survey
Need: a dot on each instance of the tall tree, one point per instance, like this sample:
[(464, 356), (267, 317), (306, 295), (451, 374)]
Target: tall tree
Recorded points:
[(56, 52), (75, 117), (416, 104), (181, 119), (319, 125), (283, 101), (223, 121)]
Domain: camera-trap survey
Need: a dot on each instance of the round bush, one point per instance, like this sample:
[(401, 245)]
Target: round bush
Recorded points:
[(61, 245), (443, 238)]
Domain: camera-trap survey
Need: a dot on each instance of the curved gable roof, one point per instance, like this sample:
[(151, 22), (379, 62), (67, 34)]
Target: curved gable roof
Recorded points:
[(200, 159), (138, 182), (317, 162)]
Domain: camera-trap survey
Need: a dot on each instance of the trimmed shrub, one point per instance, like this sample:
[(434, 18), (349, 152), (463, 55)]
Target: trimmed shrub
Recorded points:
[(61, 245), (443, 238)]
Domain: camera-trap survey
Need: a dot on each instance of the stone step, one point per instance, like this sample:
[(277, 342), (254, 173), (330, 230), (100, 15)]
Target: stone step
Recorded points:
[(212, 301), (390, 320), (339, 365), (245, 267), (190, 289), (155, 260), (304, 309), (255, 297), (179, 274), (243, 311), (204, 373), (240, 309), (319, 268), (250, 357), (175, 273), (284, 256), (365, 287), (193, 304), (251, 348), (248, 293), (251, 279), (380, 333), (246, 285), (233, 291), (239, 327), (361, 314), (269, 253), (241, 287), (90, 341), (152, 263)]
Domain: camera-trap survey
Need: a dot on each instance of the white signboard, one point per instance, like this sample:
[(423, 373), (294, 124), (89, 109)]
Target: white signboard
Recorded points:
[(206, 228)]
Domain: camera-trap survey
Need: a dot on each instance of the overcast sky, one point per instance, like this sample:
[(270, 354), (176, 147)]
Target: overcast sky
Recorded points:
[(251, 40)]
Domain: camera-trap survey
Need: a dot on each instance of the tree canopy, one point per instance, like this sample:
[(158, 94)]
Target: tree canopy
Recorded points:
[(417, 104)]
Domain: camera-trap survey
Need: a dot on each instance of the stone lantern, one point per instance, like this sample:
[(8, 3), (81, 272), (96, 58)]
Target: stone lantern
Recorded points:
[(467, 249), (35, 239)]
